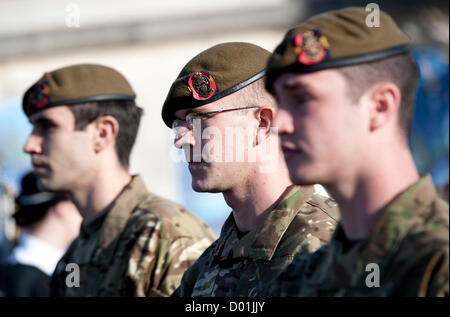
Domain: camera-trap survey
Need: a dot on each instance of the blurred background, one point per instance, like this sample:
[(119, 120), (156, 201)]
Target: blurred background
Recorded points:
[(150, 41)]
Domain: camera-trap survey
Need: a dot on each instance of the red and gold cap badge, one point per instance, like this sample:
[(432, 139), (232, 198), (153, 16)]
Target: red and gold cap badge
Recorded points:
[(39, 94), (311, 47), (201, 84)]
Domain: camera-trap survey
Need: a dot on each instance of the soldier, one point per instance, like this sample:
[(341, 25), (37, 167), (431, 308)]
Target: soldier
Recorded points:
[(345, 109), (132, 242), (220, 95)]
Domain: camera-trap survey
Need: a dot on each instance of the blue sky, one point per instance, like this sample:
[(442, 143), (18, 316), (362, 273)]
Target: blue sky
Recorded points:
[(14, 129)]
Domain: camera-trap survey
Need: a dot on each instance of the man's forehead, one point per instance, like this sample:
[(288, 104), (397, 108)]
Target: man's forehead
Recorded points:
[(305, 81), (53, 114), (205, 108), (290, 81)]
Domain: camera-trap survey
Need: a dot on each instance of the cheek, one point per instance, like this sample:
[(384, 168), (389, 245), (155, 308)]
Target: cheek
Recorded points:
[(210, 135), (55, 144), (79, 149), (316, 125), (85, 147), (325, 130), (348, 133)]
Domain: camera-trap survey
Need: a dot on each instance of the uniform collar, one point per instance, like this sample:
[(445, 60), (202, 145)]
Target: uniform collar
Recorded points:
[(88, 229), (391, 228), (120, 210), (262, 242)]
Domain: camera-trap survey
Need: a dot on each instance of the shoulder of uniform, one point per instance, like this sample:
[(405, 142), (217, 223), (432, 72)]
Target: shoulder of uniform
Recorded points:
[(303, 263), (429, 233), (206, 257), (314, 223), (424, 261), (192, 274), (160, 206), (437, 214), (327, 204), (172, 218), (433, 224)]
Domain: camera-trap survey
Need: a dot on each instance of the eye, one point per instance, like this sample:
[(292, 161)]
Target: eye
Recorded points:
[(301, 98), (44, 127), (192, 116), (206, 115), (48, 126)]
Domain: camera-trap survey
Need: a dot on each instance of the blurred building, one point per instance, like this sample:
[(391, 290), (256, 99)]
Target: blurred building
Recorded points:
[(149, 42)]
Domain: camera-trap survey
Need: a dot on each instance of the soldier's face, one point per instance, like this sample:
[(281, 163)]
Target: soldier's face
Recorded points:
[(217, 169), (322, 131), (61, 156)]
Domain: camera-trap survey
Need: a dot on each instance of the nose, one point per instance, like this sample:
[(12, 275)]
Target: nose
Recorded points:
[(33, 145), (183, 137), (284, 122)]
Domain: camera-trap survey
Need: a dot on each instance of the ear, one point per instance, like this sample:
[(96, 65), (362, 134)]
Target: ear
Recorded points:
[(384, 103), (107, 129), (265, 116)]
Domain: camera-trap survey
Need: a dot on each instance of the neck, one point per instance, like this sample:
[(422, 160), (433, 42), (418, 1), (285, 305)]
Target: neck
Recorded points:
[(103, 188), (363, 197), (254, 199)]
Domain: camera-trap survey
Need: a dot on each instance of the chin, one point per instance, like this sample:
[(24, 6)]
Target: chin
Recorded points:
[(51, 185), (44, 183), (203, 186), (301, 176)]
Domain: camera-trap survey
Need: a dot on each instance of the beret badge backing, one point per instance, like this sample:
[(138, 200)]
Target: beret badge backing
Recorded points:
[(39, 95), (202, 85), (311, 47)]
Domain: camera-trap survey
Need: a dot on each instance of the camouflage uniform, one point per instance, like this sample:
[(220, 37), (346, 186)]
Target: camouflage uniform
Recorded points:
[(302, 222), (140, 247), (409, 243)]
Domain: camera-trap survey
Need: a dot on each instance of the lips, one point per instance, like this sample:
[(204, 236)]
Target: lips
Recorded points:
[(289, 150), (39, 165)]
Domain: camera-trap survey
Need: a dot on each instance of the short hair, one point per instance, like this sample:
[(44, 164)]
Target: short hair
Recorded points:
[(400, 70), (127, 114), (256, 95)]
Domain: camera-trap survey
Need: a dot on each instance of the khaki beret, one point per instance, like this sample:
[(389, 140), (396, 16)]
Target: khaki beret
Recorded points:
[(335, 39), (214, 73), (76, 84)]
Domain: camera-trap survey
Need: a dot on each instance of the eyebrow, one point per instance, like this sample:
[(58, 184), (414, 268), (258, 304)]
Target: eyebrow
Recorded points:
[(294, 85), (183, 114), (42, 120), (186, 112)]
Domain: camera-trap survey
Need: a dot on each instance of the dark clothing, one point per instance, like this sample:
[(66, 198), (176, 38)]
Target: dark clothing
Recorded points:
[(26, 281)]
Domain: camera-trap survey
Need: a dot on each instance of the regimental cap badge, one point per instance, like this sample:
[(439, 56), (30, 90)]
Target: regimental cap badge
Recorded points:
[(201, 84), (39, 94), (311, 47)]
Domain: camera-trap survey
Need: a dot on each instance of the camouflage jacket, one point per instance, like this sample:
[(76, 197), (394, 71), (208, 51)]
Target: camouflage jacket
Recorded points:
[(140, 247), (408, 245), (302, 222)]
